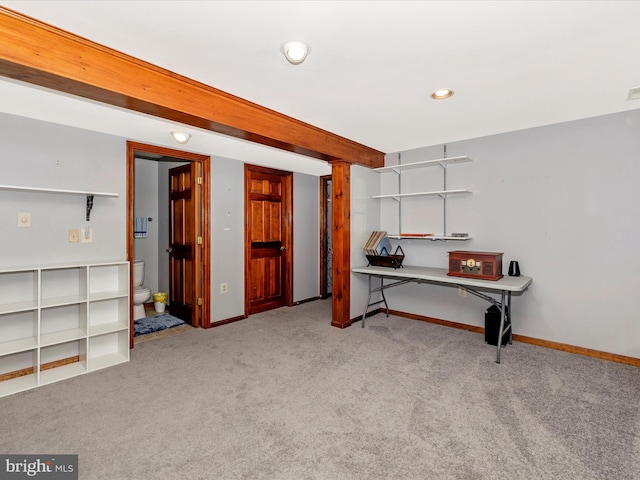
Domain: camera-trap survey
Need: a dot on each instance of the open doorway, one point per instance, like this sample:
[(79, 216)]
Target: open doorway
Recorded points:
[(325, 236), (184, 274)]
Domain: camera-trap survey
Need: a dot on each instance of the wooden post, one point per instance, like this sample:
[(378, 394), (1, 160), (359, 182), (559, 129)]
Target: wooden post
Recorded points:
[(341, 243)]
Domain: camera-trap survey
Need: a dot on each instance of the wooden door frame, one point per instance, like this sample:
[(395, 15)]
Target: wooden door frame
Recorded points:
[(287, 217), (204, 265)]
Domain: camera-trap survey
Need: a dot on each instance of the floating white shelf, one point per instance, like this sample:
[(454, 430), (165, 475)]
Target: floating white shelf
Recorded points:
[(428, 237), (423, 194), (425, 163), (88, 195), (19, 188)]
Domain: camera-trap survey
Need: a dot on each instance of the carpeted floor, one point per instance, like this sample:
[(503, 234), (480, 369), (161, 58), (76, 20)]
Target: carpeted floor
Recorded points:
[(283, 395)]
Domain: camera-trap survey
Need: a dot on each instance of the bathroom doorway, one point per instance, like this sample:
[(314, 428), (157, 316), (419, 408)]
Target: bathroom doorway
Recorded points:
[(197, 277)]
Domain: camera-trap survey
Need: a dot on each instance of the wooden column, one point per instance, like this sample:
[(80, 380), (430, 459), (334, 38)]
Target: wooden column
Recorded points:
[(341, 243)]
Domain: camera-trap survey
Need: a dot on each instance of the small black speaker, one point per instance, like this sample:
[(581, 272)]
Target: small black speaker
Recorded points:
[(514, 269), (492, 325)]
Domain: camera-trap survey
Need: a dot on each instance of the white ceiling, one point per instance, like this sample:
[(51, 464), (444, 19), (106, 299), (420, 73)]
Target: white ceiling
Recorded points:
[(372, 67)]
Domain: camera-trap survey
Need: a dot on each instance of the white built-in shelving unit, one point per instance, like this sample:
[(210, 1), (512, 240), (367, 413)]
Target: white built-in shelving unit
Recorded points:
[(59, 321), (443, 194)]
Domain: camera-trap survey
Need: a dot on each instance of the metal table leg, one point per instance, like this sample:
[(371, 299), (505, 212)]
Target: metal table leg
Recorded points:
[(503, 307)]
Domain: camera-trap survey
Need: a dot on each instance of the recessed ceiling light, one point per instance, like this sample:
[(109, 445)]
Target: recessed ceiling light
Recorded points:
[(181, 137), (442, 94), (295, 52)]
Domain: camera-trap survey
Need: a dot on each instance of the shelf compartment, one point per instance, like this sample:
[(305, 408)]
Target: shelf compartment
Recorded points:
[(108, 281), (109, 315), (62, 324), (18, 331), (63, 286), (63, 360), (425, 163), (109, 349), (18, 372), (18, 291)]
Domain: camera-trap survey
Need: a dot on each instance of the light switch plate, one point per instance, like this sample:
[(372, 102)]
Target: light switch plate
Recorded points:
[(86, 235), (24, 220)]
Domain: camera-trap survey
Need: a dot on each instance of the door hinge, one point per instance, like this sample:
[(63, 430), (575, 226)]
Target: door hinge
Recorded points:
[(199, 180), (199, 302), (199, 240)]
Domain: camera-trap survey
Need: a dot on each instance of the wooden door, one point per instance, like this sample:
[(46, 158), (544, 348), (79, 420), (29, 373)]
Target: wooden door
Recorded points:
[(268, 212), (183, 236)]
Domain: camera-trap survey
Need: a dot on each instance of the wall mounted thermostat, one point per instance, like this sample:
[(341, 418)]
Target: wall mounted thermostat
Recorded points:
[(484, 265)]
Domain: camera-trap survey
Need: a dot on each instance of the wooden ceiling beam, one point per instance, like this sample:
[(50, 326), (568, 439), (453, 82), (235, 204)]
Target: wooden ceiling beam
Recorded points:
[(36, 53)]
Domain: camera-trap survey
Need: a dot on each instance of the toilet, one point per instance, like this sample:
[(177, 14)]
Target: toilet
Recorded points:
[(141, 294)]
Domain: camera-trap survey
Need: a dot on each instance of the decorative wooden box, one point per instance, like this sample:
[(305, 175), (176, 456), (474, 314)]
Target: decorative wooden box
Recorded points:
[(484, 265)]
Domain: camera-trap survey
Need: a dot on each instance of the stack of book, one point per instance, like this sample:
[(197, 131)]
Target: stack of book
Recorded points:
[(378, 244)]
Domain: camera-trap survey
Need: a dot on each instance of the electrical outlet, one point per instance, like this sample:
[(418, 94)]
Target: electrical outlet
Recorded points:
[(24, 220), (462, 292), (223, 288), (86, 235), (74, 235)]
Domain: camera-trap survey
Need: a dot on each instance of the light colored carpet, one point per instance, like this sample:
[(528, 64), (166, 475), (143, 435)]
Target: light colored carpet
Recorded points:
[(283, 395)]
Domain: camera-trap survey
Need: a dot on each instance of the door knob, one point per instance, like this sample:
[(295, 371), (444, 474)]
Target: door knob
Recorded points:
[(169, 250), (282, 249)]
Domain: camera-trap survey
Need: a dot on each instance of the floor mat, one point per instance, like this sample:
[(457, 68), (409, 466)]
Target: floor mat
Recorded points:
[(155, 324)]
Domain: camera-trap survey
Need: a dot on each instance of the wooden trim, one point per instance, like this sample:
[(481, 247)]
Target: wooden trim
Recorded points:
[(307, 300), (324, 234), (204, 269), (35, 52), (226, 321), (587, 352), (370, 313), (45, 366), (341, 244)]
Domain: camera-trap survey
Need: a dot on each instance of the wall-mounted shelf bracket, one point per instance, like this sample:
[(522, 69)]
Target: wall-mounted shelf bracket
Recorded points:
[(89, 206)]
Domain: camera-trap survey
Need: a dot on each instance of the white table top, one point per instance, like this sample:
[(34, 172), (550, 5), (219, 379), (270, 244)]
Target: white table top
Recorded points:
[(432, 274)]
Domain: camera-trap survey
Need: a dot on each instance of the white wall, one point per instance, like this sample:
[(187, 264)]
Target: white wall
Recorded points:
[(227, 238), (365, 218), (40, 154), (145, 204), (560, 199), (306, 237)]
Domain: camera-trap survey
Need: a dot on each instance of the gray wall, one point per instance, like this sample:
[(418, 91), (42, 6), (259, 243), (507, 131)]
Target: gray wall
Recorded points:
[(40, 154), (560, 199), (227, 238), (306, 237), (145, 204)]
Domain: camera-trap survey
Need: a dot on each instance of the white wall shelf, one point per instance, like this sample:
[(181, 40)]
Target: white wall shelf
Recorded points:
[(60, 321), (425, 163), (19, 188), (88, 194), (442, 194)]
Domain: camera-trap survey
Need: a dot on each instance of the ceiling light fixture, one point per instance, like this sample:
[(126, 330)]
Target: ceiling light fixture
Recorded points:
[(295, 52), (181, 137), (442, 94)]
